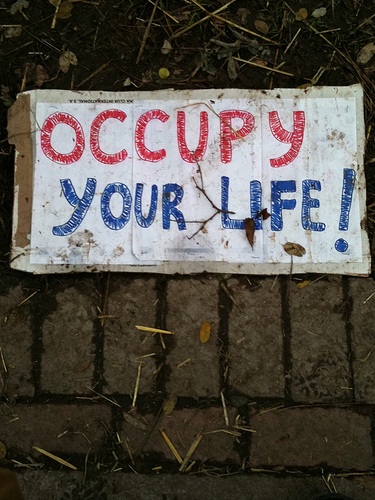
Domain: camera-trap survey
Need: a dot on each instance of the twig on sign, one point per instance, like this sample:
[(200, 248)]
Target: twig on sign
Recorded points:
[(202, 190)]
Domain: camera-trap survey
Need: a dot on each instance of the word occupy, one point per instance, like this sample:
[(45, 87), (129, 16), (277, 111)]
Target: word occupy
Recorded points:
[(227, 136)]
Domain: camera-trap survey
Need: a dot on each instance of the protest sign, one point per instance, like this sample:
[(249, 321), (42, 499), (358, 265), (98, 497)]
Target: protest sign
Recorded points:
[(187, 181)]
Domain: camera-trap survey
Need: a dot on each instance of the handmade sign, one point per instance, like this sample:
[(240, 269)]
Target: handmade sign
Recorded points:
[(168, 181)]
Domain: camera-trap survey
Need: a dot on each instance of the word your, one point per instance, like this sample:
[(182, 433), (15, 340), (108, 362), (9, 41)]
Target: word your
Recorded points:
[(227, 136), (169, 205)]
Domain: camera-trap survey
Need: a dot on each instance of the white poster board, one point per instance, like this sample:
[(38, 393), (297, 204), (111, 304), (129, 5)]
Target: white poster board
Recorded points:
[(167, 181)]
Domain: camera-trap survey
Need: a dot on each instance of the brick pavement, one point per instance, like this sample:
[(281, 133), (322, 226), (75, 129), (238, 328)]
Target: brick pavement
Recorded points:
[(294, 365)]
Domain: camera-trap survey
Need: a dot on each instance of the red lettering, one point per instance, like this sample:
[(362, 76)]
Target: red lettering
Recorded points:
[(227, 134), (46, 134), (294, 138), (94, 137), (139, 136), (185, 153)]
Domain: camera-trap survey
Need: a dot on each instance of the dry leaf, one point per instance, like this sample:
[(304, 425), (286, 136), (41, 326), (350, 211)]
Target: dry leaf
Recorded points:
[(264, 214), (169, 404), (232, 68), (366, 53), (205, 333), (301, 15), (243, 14), (163, 73), (303, 284), (319, 12), (11, 31), (5, 96), (167, 47), (66, 59), (18, 6), (41, 75), (261, 26), (250, 229), (81, 367), (65, 9), (294, 249), (3, 450), (134, 422)]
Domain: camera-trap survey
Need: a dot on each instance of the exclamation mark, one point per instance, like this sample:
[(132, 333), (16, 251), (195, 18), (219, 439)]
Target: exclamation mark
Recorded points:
[(341, 245)]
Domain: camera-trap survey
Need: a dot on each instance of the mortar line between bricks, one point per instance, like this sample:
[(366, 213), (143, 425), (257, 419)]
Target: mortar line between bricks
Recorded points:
[(287, 335), (161, 322), (37, 346), (224, 309), (348, 307), (98, 340)]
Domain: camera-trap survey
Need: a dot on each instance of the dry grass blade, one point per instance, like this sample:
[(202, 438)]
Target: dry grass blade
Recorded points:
[(191, 450), (54, 457), (55, 15), (188, 28), (147, 32), (104, 397), (273, 70), (235, 25), (153, 330), (226, 290), (170, 446), (166, 13), (137, 384), (129, 451), (3, 361), (27, 298), (224, 409), (103, 66)]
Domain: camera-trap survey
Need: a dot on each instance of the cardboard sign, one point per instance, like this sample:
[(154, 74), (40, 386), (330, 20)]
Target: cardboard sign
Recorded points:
[(216, 180)]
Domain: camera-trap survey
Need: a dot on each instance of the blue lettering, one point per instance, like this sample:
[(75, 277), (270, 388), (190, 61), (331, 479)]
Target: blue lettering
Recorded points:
[(81, 206), (145, 221), (308, 203), (115, 223), (169, 207), (278, 204)]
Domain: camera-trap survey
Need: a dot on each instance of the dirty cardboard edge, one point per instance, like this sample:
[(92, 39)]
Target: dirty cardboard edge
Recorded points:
[(21, 117)]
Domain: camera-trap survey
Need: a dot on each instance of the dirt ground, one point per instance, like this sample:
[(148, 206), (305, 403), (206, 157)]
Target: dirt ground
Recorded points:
[(121, 45)]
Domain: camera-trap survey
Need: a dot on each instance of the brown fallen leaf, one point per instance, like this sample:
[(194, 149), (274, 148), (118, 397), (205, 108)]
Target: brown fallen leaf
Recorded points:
[(169, 404), (294, 249), (67, 58), (264, 214), (65, 9), (83, 366), (301, 14), (250, 229), (261, 26), (134, 422), (3, 450), (366, 53), (205, 332)]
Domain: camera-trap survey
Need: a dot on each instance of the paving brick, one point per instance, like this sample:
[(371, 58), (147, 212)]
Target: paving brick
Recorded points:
[(255, 339), (363, 339), (25, 426), (132, 303), (310, 436), (190, 303), (321, 371), (134, 432), (68, 358), (182, 427), (63, 485), (16, 339)]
